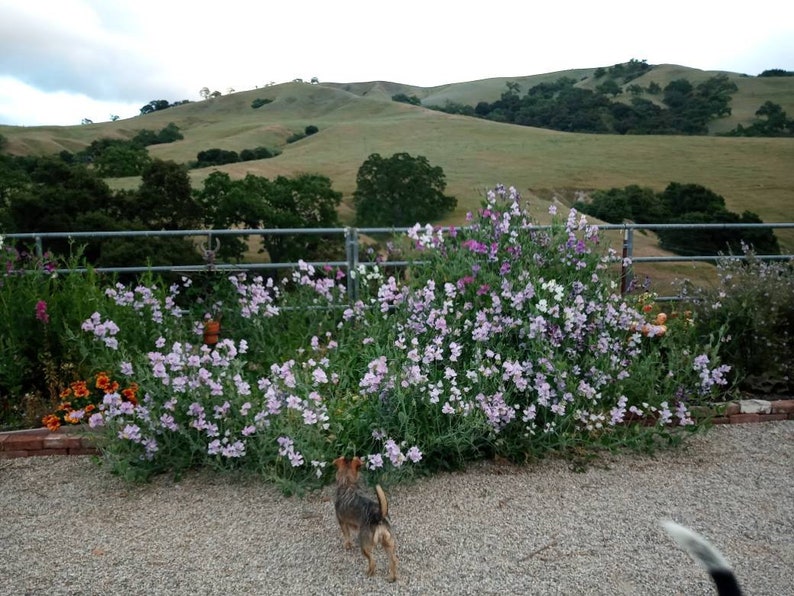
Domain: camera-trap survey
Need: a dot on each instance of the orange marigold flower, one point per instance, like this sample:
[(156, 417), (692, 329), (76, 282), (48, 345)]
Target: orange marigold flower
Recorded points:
[(51, 422), (65, 393), (130, 393), (90, 408), (80, 389), (647, 308), (112, 387), (102, 381)]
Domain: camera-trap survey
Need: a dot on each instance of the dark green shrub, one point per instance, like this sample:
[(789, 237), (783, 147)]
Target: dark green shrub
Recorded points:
[(403, 98), (215, 157), (258, 153), (752, 307)]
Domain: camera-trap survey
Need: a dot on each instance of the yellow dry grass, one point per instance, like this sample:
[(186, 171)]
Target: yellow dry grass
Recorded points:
[(358, 119)]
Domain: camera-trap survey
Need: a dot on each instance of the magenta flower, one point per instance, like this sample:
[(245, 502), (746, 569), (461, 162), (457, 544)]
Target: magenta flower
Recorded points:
[(41, 312)]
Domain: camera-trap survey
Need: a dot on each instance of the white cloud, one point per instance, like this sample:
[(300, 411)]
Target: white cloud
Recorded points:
[(131, 52), (22, 104)]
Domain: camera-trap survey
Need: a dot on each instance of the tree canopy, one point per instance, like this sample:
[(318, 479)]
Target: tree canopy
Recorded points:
[(400, 190), (565, 105), (305, 201), (682, 203)]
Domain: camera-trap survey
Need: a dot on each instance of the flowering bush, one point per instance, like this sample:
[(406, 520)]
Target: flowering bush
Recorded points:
[(752, 310), (509, 338), (85, 401), (516, 336), (39, 309)]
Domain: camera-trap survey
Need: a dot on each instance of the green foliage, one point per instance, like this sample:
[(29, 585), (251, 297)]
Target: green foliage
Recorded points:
[(260, 101), (306, 201), (772, 122), (258, 153), (625, 72), (752, 305), (507, 341), (400, 190), (631, 203), (50, 195), (14, 181), (777, 72), (682, 203), (215, 157), (701, 242), (53, 196), (452, 107), (561, 105), (227, 203), (169, 134), (308, 131), (40, 311), (155, 106), (610, 87), (121, 158), (164, 199), (218, 157), (680, 199), (403, 98), (693, 107)]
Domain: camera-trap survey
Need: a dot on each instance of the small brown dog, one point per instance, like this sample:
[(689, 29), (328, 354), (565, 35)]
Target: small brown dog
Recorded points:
[(355, 511)]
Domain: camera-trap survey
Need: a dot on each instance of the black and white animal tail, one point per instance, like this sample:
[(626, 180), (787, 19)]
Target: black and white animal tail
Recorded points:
[(708, 556)]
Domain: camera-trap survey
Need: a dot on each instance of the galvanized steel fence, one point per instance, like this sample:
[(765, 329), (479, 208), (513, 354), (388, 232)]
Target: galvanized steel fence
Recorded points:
[(352, 241)]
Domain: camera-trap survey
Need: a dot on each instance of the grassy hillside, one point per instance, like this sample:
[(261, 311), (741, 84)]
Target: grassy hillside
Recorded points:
[(358, 119)]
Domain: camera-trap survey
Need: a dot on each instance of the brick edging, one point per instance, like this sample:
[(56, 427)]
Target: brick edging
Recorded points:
[(42, 441), (74, 441), (746, 411)]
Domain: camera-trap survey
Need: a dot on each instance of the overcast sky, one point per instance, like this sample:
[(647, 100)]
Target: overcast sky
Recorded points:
[(65, 60)]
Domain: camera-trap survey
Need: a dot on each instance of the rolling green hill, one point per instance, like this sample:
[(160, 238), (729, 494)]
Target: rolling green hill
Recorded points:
[(357, 119)]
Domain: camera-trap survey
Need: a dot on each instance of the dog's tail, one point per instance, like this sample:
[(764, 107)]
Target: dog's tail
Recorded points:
[(708, 556), (383, 503)]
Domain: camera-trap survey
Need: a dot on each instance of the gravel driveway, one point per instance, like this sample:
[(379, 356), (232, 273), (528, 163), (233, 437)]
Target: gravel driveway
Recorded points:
[(69, 527)]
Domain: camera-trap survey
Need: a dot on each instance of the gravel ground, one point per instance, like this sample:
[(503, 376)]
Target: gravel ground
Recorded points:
[(69, 527)]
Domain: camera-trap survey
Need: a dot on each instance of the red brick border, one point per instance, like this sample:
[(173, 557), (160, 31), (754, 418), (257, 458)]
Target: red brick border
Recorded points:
[(42, 441), (71, 441)]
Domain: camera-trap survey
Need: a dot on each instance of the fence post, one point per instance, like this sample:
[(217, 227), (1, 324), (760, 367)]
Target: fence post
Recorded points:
[(628, 252), (351, 252), (39, 247)]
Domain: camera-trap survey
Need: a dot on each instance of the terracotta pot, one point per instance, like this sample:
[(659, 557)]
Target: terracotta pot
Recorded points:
[(212, 331)]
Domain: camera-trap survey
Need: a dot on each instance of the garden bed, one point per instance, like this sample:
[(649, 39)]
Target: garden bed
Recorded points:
[(74, 441)]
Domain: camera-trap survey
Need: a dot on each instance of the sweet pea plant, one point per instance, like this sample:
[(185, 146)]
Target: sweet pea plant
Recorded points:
[(510, 339)]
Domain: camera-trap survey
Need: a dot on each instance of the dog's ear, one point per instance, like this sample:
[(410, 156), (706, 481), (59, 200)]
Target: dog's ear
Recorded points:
[(356, 463), (340, 463)]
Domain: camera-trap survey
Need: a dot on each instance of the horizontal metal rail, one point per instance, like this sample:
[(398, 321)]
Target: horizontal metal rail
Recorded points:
[(353, 244)]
